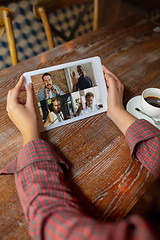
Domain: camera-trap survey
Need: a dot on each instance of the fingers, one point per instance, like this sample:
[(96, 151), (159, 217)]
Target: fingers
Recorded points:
[(17, 89), (73, 74), (106, 71), (54, 89), (104, 68), (47, 90), (111, 80), (13, 94), (113, 83), (30, 95)]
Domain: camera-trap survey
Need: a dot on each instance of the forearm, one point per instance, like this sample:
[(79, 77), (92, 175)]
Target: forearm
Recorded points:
[(74, 87), (31, 136), (122, 119)]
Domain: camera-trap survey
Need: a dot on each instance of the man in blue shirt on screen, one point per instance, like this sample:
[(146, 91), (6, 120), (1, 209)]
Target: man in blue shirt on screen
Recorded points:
[(50, 90)]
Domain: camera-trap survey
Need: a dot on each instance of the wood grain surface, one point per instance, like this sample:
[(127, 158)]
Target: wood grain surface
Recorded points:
[(102, 174)]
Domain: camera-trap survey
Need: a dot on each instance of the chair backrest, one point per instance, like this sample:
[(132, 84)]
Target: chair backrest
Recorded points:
[(45, 7), (6, 17)]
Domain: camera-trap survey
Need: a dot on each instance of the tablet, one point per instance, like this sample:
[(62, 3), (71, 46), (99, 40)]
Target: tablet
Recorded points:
[(68, 92)]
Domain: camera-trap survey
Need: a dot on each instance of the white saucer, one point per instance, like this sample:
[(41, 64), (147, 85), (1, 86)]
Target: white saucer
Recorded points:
[(135, 102)]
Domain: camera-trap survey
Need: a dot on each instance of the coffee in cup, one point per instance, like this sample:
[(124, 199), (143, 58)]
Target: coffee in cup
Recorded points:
[(150, 102)]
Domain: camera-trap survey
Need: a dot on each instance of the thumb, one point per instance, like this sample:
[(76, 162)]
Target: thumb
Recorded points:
[(30, 95)]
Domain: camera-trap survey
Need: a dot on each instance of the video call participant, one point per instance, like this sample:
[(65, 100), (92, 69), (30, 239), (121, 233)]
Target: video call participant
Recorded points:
[(50, 90), (56, 114), (82, 82), (50, 208), (88, 107)]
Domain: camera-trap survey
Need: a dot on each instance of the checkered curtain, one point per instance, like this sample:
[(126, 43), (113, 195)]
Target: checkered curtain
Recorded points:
[(29, 32)]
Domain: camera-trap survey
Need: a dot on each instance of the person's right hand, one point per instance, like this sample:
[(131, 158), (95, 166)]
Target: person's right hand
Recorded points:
[(22, 113), (115, 93), (74, 79), (115, 109)]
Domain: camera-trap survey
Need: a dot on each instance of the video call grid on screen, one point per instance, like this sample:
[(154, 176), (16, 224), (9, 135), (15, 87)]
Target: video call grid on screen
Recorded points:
[(68, 92)]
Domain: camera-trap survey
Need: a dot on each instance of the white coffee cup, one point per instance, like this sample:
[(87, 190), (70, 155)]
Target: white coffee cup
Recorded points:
[(149, 109)]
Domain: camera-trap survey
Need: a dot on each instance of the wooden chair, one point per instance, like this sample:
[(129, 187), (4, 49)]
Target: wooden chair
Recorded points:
[(6, 17), (45, 7)]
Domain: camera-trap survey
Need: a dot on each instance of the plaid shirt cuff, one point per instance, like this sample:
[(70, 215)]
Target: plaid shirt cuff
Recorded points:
[(139, 131), (143, 139), (42, 152)]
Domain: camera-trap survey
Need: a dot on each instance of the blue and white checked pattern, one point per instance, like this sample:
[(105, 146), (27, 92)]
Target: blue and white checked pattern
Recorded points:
[(29, 32)]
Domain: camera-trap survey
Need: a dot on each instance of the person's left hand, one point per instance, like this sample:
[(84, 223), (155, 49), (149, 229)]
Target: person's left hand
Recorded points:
[(21, 113), (54, 89)]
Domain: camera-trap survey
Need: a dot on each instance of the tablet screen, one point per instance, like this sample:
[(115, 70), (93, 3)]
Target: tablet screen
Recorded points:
[(68, 92)]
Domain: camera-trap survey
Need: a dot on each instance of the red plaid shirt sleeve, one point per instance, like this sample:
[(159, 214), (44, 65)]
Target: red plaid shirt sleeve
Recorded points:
[(51, 210), (143, 139)]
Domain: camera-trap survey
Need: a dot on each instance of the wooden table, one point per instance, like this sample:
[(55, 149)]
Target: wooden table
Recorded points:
[(102, 175)]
